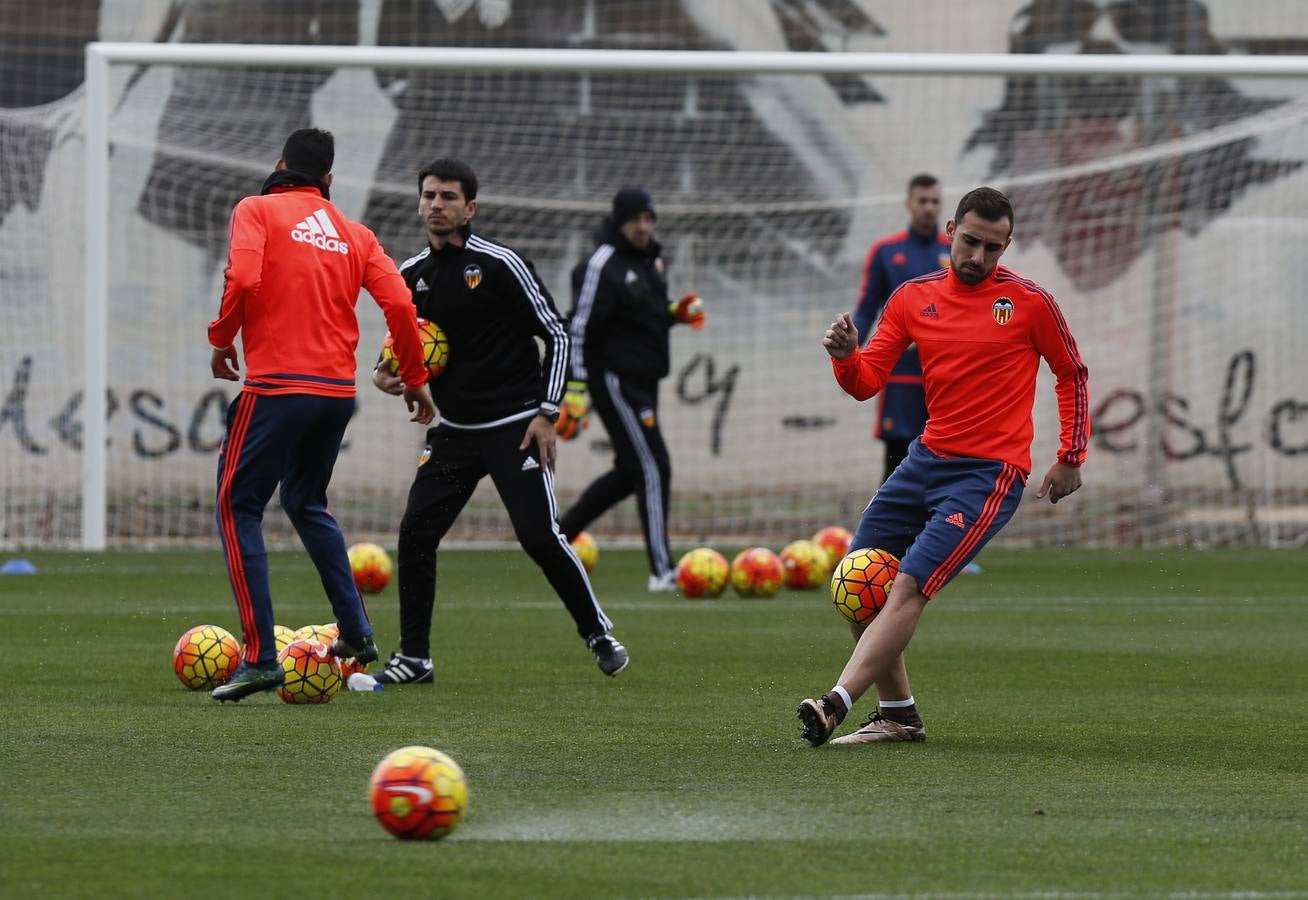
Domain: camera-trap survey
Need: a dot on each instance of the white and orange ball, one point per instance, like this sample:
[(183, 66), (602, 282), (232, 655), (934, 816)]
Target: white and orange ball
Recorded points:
[(757, 572), (703, 572), (418, 793), (312, 674), (371, 566)]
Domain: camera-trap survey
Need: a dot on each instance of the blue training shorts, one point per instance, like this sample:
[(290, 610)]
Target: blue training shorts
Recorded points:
[(935, 513)]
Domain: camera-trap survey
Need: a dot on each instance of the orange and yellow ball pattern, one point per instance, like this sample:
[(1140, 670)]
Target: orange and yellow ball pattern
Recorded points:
[(703, 572), (418, 793), (206, 656), (312, 674), (757, 572), (861, 583), (371, 566)]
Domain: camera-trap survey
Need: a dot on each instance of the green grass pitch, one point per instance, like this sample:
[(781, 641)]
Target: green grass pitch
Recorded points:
[(1130, 723)]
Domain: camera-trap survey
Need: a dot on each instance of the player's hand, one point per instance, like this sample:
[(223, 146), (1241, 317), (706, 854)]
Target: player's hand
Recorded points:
[(419, 402), (224, 365), (689, 310), (388, 381), (541, 431), (841, 340), (1060, 480), (574, 414)]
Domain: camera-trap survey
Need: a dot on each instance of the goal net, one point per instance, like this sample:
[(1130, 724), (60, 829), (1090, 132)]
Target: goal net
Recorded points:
[(1163, 210)]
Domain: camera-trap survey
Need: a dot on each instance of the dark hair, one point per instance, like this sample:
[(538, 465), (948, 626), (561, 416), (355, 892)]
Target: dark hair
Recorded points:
[(922, 180), (988, 203), (447, 168), (310, 151)]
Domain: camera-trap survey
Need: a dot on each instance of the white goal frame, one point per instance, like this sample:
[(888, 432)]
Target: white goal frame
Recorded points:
[(100, 56)]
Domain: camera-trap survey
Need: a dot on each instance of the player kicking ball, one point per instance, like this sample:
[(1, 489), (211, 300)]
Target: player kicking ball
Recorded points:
[(981, 331)]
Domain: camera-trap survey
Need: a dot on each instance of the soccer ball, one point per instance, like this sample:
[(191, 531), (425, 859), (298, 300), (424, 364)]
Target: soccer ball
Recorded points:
[(861, 583), (703, 572), (283, 636), (586, 549), (371, 566), (206, 656), (419, 794), (435, 348), (316, 634), (757, 572), (835, 540), (313, 675), (807, 565)]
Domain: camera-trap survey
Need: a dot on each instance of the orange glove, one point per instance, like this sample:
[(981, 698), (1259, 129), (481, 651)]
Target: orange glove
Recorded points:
[(574, 414), (690, 310)]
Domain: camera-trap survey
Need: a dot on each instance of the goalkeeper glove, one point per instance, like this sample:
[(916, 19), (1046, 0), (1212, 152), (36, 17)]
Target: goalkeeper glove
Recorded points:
[(690, 310), (574, 414)]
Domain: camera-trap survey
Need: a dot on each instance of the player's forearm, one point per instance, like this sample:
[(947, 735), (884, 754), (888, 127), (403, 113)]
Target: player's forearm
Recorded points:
[(857, 377)]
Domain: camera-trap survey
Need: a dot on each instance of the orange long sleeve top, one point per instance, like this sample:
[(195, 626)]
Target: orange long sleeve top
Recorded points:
[(981, 347), (294, 271)]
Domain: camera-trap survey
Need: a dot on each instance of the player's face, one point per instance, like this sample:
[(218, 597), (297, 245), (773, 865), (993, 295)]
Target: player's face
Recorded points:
[(442, 207), (975, 245), (923, 207), (640, 230)]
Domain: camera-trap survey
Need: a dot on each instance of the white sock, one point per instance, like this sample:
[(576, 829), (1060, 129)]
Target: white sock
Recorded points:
[(897, 704), (844, 696)]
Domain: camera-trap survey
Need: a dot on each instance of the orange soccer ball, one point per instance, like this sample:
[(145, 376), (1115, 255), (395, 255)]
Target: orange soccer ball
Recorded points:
[(586, 549), (807, 565), (371, 566), (757, 572), (206, 656), (312, 674), (419, 793), (703, 572), (435, 348), (835, 540), (861, 583)]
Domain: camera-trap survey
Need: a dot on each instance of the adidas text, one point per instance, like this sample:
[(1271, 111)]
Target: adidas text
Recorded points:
[(319, 231)]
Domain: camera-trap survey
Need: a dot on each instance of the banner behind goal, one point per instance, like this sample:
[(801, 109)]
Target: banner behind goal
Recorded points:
[(1160, 199)]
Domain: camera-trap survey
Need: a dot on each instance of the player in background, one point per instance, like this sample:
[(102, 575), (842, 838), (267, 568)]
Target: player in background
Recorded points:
[(499, 402), (918, 250), (981, 331), (620, 321), (295, 267)]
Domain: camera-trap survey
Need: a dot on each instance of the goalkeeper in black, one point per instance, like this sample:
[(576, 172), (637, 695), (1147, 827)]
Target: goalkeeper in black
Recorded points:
[(499, 402), (619, 327)]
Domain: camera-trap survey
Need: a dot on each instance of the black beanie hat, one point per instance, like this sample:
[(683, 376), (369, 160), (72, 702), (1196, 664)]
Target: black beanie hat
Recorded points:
[(631, 201)]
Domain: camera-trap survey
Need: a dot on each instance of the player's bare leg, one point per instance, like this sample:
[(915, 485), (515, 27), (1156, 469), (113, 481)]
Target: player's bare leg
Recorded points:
[(877, 659)]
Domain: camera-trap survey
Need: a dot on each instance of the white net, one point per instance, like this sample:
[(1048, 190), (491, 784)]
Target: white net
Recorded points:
[(1165, 214)]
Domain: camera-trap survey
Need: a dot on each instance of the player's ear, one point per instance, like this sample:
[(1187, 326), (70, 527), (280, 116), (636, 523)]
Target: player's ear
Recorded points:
[(472, 208), (949, 228), (327, 179), (281, 166)]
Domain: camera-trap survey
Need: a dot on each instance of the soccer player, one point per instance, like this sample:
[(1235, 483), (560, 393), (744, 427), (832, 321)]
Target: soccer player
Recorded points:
[(499, 401), (619, 327), (918, 250), (981, 331), (295, 267)]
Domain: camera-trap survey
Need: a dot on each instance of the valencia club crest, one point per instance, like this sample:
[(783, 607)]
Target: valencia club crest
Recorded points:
[(1002, 310), (472, 275)]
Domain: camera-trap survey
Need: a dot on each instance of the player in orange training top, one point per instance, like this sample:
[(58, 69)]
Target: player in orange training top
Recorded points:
[(981, 331), (295, 266)]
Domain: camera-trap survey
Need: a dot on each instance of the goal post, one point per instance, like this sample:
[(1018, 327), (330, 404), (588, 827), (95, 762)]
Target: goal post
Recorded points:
[(779, 262)]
